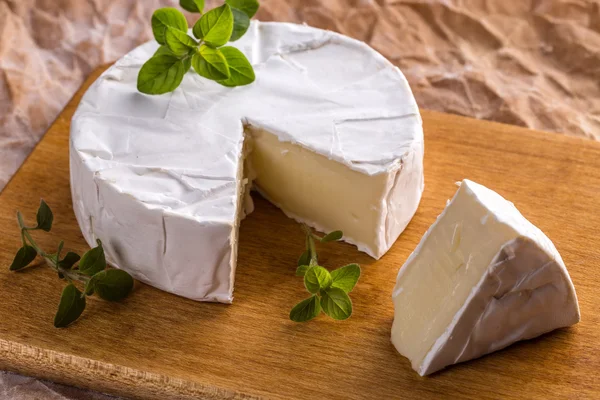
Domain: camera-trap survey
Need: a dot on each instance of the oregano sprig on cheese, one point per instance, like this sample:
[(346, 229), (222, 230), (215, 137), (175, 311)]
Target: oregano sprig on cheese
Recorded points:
[(329, 290), (89, 271), (205, 52)]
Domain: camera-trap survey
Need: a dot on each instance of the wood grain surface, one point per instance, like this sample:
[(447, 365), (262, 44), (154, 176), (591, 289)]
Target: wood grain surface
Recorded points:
[(157, 345)]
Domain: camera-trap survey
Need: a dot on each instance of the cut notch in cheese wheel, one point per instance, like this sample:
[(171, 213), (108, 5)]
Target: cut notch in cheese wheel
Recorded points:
[(329, 131), (482, 278)]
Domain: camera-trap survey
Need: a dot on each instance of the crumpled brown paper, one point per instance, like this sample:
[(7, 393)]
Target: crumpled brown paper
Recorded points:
[(16, 387), (47, 48), (533, 63)]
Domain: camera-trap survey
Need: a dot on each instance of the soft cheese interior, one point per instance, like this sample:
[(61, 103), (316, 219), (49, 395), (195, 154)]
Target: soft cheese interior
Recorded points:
[(481, 278), (371, 210), (337, 138)]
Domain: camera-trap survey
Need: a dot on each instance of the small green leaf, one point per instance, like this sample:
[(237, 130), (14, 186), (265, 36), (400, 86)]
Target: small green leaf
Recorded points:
[(215, 27), (44, 217), (332, 236), (69, 260), (210, 63), (93, 261), (187, 64), (163, 50), (301, 270), (345, 277), (60, 247), (162, 74), (165, 18), (317, 278), (70, 307), (194, 6), (179, 42), (249, 7), (241, 23), (89, 287), (336, 303), (240, 68), (25, 255), (304, 258), (306, 310), (112, 284)]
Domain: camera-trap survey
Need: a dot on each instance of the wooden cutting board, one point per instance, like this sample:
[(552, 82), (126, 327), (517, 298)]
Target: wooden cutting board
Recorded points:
[(157, 345)]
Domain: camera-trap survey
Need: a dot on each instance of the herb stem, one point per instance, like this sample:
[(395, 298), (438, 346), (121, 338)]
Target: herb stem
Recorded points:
[(315, 236), (32, 243), (73, 276), (22, 226), (89, 270), (310, 245), (50, 261), (313, 251)]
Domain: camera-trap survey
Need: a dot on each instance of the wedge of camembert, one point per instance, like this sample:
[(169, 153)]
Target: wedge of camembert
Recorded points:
[(482, 278), (329, 132)]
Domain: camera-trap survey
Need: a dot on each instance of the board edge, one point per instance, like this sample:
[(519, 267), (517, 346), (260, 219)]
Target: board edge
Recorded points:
[(95, 375)]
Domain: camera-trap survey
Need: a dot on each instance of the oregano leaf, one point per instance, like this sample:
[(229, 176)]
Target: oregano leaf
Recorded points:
[(215, 27), (317, 278), (89, 287), (69, 260), (210, 63), (187, 64), (241, 23), (240, 68), (93, 261), (179, 42), (332, 236), (194, 6), (163, 50), (301, 270), (165, 18), (162, 74), (304, 258), (345, 277), (306, 310), (336, 303), (60, 248), (112, 284), (25, 255), (248, 7), (44, 217), (71, 305)]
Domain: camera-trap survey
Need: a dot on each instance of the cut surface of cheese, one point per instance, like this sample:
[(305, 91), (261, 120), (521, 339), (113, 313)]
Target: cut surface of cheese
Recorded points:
[(329, 132), (325, 194), (482, 278)]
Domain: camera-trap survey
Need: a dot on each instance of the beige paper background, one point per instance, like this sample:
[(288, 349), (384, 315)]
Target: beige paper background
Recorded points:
[(532, 63)]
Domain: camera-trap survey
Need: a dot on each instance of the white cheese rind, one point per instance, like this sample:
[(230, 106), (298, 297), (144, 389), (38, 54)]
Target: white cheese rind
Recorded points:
[(522, 292), (157, 177)]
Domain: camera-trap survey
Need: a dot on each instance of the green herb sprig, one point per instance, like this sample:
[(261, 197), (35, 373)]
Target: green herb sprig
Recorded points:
[(90, 271), (205, 52), (329, 290)]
